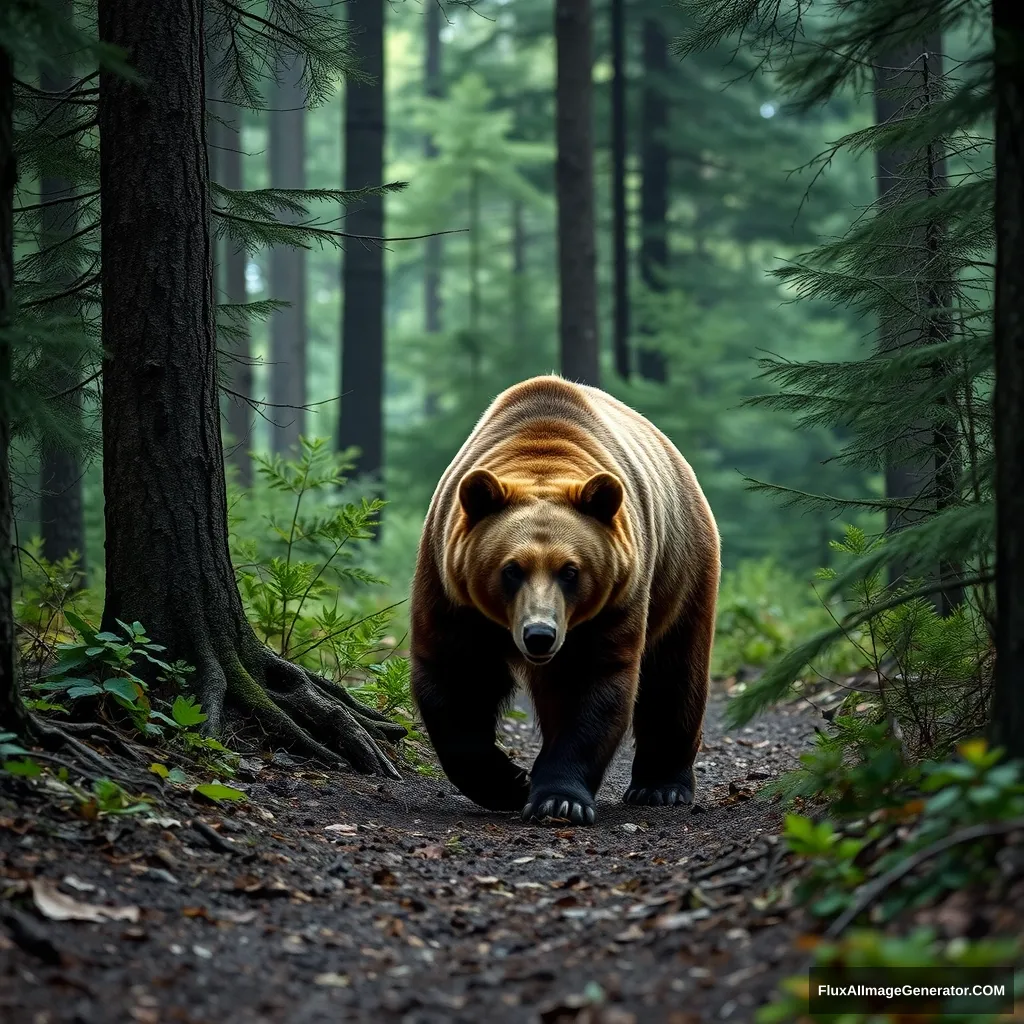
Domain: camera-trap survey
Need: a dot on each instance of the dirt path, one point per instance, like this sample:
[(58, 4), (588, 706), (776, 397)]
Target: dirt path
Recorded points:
[(334, 898)]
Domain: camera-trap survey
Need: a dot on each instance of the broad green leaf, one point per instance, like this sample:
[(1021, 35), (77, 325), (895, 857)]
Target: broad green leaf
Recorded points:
[(122, 688), (25, 767), (160, 769), (217, 791), (186, 711), (84, 690)]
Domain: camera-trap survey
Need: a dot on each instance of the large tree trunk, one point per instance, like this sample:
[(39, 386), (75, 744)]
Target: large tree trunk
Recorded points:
[(62, 523), (620, 252), (1008, 703), (167, 560), (12, 712), (574, 175), (905, 81), (654, 185), (235, 353), (362, 326), (287, 146)]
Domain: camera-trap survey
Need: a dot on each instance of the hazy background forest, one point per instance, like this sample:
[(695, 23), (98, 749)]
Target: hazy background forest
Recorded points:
[(723, 181)]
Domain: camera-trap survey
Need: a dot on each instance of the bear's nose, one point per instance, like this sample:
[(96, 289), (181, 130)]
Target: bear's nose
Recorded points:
[(539, 638)]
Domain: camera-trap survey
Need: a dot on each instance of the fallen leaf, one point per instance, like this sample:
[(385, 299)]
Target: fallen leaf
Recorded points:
[(431, 852), (77, 884), (631, 934), (629, 826), (332, 980), (487, 881), (523, 860), (340, 829), (55, 905)]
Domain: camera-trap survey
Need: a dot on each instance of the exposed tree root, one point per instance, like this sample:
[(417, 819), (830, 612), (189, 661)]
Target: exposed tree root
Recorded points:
[(308, 714)]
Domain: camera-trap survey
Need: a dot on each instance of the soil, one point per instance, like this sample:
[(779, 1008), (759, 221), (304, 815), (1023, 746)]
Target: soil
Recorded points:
[(333, 897)]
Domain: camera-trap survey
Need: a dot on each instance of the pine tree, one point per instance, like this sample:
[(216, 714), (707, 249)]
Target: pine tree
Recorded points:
[(167, 560), (288, 330), (361, 422), (619, 147), (62, 523), (433, 87), (575, 187), (1008, 702), (654, 189)]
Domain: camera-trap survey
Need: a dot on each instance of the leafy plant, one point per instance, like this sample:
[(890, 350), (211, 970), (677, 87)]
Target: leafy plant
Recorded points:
[(98, 666), (14, 758)]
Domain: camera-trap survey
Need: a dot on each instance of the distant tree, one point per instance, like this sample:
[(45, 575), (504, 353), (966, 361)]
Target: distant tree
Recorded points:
[(654, 183), (361, 422), (574, 181), (619, 147), (167, 559), (288, 328), (433, 86), (62, 522), (12, 712), (1008, 701)]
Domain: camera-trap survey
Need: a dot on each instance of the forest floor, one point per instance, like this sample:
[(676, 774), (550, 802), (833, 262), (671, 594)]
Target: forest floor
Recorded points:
[(332, 897)]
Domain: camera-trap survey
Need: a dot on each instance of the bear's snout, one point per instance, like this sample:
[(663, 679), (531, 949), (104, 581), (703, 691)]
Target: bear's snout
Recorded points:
[(539, 638)]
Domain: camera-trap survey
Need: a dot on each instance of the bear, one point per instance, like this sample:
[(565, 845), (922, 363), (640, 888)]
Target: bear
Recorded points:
[(568, 547)]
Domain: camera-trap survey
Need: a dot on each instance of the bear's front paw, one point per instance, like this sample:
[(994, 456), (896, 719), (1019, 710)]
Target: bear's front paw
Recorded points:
[(574, 807)]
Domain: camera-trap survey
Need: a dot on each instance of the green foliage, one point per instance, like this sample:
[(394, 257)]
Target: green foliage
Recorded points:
[(893, 810), (14, 759), (873, 949), (219, 793)]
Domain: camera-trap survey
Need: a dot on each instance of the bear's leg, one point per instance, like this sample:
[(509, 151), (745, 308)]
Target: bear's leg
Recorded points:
[(460, 700), (669, 715), (583, 712)]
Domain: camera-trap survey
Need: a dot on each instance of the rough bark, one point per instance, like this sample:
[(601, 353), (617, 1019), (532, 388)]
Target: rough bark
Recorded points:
[(906, 80), (287, 146), (654, 185), (235, 354), (362, 326), (61, 519), (1008, 703), (167, 560), (620, 252), (12, 712), (574, 180)]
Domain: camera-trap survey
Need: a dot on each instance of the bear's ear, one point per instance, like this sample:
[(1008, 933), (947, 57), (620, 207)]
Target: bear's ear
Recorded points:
[(481, 494), (600, 497)]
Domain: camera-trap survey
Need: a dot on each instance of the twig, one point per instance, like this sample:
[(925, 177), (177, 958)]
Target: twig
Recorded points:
[(872, 890), (215, 840)]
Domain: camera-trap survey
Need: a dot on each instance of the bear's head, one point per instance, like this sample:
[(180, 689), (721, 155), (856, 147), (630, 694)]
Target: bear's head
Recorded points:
[(539, 560)]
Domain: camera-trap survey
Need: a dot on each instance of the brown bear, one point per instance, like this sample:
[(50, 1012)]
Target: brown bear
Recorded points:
[(569, 547)]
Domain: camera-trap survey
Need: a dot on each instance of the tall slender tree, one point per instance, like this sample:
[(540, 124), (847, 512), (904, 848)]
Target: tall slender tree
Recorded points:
[(288, 330), (574, 182), (433, 86), (62, 522), (619, 146), (12, 711), (362, 327), (1008, 703), (654, 183), (167, 559)]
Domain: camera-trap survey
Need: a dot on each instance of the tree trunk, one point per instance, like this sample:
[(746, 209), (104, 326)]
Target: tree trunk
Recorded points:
[(287, 146), (167, 560), (619, 224), (1008, 702), (518, 297), (906, 81), (654, 159), (575, 189), (13, 716), (433, 86), (235, 353), (62, 523), (362, 326)]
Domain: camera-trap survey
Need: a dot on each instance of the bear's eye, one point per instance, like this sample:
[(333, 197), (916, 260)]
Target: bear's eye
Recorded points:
[(568, 573), (512, 572)]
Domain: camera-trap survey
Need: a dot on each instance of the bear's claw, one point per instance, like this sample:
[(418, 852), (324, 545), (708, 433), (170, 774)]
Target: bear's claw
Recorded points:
[(568, 810), (659, 796)]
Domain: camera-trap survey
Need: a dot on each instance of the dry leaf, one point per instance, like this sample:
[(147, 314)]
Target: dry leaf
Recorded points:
[(332, 980), (53, 904), (430, 852), (344, 830), (523, 860)]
